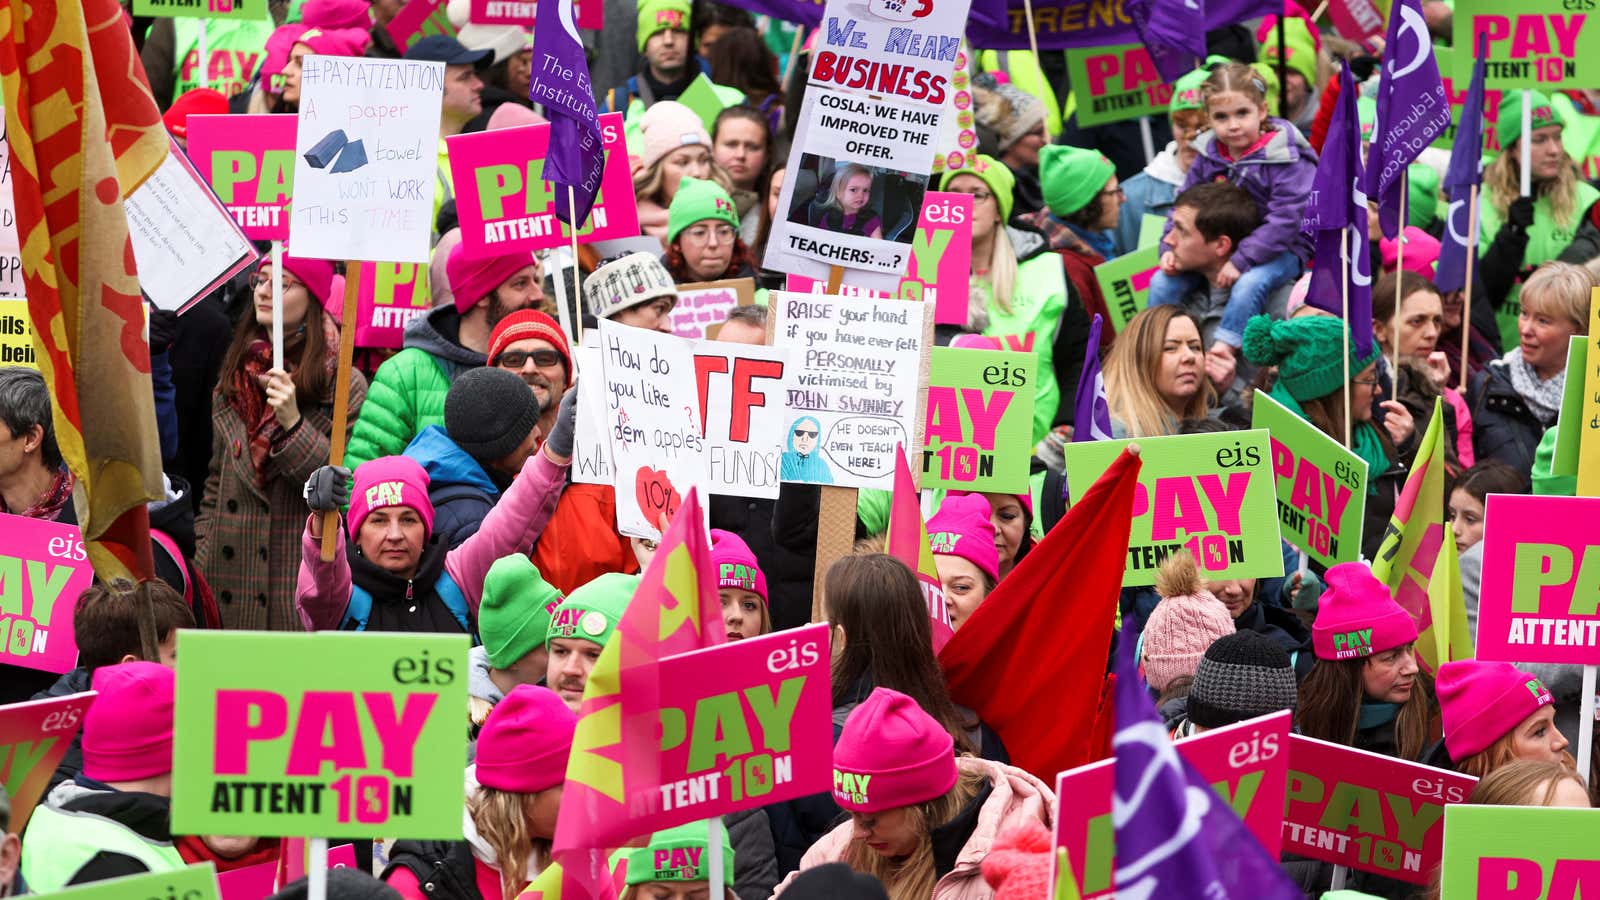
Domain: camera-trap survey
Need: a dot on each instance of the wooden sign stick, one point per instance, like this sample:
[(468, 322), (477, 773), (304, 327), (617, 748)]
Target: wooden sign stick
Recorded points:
[(341, 397)]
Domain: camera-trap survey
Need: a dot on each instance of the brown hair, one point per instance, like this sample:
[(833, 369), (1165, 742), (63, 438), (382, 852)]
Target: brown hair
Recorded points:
[(1383, 292), (1489, 477), (888, 637), (1327, 412), (501, 818), (105, 621), (913, 877), (1237, 78), (1330, 702), (308, 368), (1221, 209), (1130, 376), (678, 267)]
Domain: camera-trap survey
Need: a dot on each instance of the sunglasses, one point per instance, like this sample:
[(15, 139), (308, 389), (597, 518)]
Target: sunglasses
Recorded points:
[(801, 433), (515, 359)]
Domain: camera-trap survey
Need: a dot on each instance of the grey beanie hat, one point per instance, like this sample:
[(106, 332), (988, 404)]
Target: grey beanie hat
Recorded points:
[(489, 412), (1242, 675), (627, 281)]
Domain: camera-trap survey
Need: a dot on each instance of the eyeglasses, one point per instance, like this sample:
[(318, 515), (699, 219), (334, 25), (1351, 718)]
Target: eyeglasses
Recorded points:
[(515, 359), (702, 233), (259, 279), (802, 433), (1366, 382), (977, 196), (1113, 192)]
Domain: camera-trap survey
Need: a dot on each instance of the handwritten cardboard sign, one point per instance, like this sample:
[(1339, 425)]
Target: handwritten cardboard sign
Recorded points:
[(1112, 84), (653, 417), (16, 335), (702, 307), (42, 571), (1519, 853), (591, 445), (34, 736), (202, 9), (185, 244), (1367, 811), (10, 249), (744, 408), (249, 163), (1211, 494), (1541, 580), (189, 883), (389, 296), (1589, 423), (419, 19), (1321, 486), (1125, 282), (366, 150), (941, 257), (1247, 764), (336, 734), (505, 204), (853, 387), (1544, 44), (980, 410)]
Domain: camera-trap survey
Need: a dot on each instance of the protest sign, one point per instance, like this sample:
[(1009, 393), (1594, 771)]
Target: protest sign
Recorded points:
[(853, 386), (1541, 580), (591, 445), (1211, 494), (1111, 84), (10, 250), (744, 407), (1520, 853), (507, 206), (1125, 282), (703, 101), (419, 19), (366, 150), (1357, 20), (1321, 486), (1543, 44), (338, 734), (1455, 90), (249, 163), (1569, 420), (255, 882), (1150, 228), (390, 295), (940, 266), (1247, 764), (980, 410), (589, 14), (653, 421), (201, 9), (34, 736), (189, 883), (958, 133), (702, 307), (1589, 422), (184, 243), (42, 572), (16, 335), (1367, 811), (743, 724)]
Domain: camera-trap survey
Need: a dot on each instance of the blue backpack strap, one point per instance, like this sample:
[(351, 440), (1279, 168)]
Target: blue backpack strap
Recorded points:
[(455, 601), (358, 611)]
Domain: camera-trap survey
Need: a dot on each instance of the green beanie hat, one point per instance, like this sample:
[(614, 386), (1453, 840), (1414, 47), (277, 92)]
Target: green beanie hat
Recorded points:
[(994, 173), (1301, 46), (1186, 91), (1305, 350), (678, 854), (1072, 176), (1269, 79), (696, 201), (656, 16), (514, 618), (1545, 482), (591, 612), (1422, 195), (1508, 128)]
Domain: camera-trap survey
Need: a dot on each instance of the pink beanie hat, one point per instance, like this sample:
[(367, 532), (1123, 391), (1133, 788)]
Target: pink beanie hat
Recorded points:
[(1357, 617), (525, 742), (1183, 625), (1422, 252), (736, 565), (127, 732), (1025, 498), (891, 754), (337, 14), (513, 115), (668, 125), (1482, 702), (389, 481), (315, 274), (472, 280), (962, 528)]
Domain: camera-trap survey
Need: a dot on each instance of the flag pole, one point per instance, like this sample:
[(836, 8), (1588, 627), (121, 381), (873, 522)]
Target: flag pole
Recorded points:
[(1586, 724), (317, 870), (714, 853), (277, 303), (1148, 139), (203, 50), (1344, 299), (577, 268), (1466, 296), (1399, 268), (1033, 45), (1339, 874), (337, 436), (1526, 143)]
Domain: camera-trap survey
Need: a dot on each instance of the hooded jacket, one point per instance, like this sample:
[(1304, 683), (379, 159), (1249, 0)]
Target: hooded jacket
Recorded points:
[(89, 832), (407, 393), (1149, 193), (1277, 175), (806, 467), (461, 492)]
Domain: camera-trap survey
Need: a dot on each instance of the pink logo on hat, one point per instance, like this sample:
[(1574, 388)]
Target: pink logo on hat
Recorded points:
[(724, 206), (684, 861), (671, 18)]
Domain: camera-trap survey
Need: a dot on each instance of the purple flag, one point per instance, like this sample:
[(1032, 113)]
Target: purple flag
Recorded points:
[(1413, 110), (560, 81), (1091, 419), (1176, 838), (1466, 170), (1174, 31), (1336, 217)]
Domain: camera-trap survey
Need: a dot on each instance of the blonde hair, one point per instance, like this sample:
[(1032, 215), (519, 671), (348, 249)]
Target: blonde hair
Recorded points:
[(650, 181), (1517, 783), (1560, 290), (501, 818), (841, 178), (1503, 182), (913, 877), (1130, 376), (995, 286)]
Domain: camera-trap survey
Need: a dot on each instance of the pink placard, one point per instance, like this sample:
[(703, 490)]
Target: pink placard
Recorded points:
[(419, 19), (505, 205), (941, 257), (47, 564), (590, 14), (1541, 580), (1367, 811), (1355, 20), (1247, 764), (389, 296), (255, 882), (36, 735), (249, 163)]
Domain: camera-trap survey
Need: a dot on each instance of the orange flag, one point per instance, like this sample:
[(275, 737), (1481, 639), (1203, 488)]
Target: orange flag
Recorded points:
[(84, 134)]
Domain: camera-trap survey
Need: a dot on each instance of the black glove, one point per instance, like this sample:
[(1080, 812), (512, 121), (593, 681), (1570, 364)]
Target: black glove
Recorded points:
[(1362, 67), (163, 330), (561, 436), (1520, 215), (328, 489)]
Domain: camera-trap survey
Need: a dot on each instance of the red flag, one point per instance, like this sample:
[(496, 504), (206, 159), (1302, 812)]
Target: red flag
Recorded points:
[(1031, 661)]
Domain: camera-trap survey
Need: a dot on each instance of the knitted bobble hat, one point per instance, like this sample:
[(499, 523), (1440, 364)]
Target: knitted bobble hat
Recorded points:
[(1183, 625), (1018, 864), (626, 282), (1005, 109), (1241, 676), (1306, 352)]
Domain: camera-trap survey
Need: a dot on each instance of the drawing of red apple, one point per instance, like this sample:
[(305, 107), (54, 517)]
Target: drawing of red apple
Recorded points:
[(655, 494)]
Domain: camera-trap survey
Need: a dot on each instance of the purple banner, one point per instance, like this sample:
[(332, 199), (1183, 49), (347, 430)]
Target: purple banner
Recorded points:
[(1174, 31), (1412, 110)]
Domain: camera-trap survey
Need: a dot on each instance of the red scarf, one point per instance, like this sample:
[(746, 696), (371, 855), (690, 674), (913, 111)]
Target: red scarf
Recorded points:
[(249, 400), (49, 504)]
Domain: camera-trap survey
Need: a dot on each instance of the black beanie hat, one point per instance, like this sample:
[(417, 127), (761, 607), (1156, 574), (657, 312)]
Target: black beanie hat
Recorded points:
[(835, 881), (489, 412), (343, 884), (1242, 675)]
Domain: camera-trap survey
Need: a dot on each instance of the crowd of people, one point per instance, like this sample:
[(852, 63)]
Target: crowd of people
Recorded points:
[(456, 511)]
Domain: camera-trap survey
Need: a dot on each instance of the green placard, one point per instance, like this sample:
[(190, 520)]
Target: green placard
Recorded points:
[(1569, 425), (202, 9), (1321, 486), (1111, 84), (980, 410), (348, 734), (1547, 45), (1520, 851), (1150, 228), (701, 97), (1210, 493), (192, 883), (1125, 282)]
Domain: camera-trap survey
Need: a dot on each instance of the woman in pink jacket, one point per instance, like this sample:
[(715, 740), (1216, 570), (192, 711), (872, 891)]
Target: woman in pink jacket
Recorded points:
[(921, 818)]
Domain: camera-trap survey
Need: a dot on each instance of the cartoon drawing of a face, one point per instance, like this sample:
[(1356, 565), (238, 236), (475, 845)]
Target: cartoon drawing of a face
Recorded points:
[(805, 434)]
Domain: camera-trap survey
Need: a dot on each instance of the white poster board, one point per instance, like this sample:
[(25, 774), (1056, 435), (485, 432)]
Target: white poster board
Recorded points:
[(366, 153), (591, 445), (745, 408), (10, 249), (185, 243)]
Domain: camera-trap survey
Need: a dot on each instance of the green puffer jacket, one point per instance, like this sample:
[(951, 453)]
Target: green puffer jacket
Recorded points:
[(407, 393)]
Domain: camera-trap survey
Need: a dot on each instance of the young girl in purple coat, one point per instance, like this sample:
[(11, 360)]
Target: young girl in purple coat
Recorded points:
[(1267, 157)]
